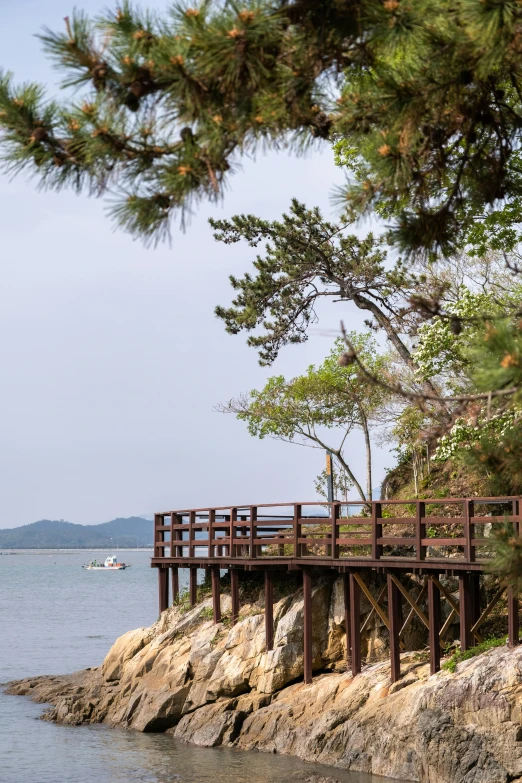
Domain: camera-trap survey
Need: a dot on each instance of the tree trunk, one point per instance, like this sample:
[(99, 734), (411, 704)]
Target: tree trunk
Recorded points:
[(364, 423)]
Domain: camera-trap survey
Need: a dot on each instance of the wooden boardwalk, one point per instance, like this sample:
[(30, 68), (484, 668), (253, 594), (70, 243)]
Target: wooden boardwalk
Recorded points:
[(430, 538)]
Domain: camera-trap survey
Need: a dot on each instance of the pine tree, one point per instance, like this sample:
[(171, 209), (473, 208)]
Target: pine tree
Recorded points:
[(422, 100)]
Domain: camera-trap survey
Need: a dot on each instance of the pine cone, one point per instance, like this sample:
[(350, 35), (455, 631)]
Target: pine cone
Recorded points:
[(138, 89), (39, 134)]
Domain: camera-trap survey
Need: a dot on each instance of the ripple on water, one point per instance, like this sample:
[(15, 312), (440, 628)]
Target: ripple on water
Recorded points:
[(57, 618)]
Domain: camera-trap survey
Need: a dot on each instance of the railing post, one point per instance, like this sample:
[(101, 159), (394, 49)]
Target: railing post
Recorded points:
[(434, 625), (192, 519), (335, 511), (174, 536), (211, 523), (394, 600), (355, 618), (297, 529), (307, 612), (216, 596), (158, 538), (376, 530), (269, 610), (420, 529), (469, 549), (253, 531), (233, 520), (234, 594)]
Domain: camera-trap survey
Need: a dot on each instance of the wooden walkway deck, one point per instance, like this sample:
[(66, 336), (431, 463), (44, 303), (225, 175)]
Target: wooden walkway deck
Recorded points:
[(450, 536)]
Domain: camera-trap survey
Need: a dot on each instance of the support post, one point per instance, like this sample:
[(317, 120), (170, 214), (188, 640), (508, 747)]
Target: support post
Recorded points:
[(355, 624), (307, 641), (234, 593), (513, 622), (394, 621), (347, 621), (434, 621), (269, 611), (163, 589), (465, 611), (216, 596), (193, 585), (174, 573)]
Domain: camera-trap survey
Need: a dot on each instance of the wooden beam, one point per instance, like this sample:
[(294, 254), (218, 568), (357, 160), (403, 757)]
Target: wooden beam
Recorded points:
[(355, 624), (448, 622), (269, 610), (488, 609), (307, 610), (381, 595), (216, 595), (234, 593), (371, 599), (465, 611), (163, 589), (394, 626), (414, 605), (411, 613), (434, 627), (193, 585)]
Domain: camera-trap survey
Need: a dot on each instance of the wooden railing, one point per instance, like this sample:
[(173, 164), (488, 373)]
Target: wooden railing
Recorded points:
[(434, 529)]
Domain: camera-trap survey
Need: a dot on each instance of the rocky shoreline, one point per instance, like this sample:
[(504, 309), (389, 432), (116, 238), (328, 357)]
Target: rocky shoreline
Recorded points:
[(215, 685)]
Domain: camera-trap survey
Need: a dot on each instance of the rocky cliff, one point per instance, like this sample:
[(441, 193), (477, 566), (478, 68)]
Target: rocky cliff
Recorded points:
[(215, 685)]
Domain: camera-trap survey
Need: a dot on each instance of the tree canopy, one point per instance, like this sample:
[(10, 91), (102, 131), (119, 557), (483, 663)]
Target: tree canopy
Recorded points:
[(421, 99), (322, 407)]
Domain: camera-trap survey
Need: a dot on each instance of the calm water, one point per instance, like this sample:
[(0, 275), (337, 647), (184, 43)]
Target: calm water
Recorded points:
[(57, 618)]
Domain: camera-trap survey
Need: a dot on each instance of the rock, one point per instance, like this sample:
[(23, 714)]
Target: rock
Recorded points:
[(215, 685), (123, 650)]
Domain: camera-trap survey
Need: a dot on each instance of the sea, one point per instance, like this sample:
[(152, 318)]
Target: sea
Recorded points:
[(58, 618)]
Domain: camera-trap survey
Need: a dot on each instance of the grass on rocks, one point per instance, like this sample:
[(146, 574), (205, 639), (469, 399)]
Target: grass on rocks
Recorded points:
[(458, 656)]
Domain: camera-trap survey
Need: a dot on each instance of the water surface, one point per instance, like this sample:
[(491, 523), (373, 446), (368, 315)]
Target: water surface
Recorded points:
[(57, 618)]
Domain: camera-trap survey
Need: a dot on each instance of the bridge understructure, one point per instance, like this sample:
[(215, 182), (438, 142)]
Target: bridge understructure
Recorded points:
[(430, 539)]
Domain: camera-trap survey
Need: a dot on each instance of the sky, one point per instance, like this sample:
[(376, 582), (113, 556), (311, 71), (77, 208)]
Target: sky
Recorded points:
[(111, 358)]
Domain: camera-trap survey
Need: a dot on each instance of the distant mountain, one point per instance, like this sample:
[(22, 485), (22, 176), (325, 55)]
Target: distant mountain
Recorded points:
[(50, 534)]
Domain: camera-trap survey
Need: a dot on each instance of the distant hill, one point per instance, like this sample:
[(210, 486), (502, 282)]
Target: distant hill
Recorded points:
[(51, 534)]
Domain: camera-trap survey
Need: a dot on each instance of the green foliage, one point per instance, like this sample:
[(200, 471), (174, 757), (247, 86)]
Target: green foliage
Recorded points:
[(442, 343), (488, 644), (427, 124), (306, 258), (327, 398)]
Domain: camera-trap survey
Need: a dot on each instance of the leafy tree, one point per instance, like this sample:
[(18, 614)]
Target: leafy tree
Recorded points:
[(422, 100), (321, 408)]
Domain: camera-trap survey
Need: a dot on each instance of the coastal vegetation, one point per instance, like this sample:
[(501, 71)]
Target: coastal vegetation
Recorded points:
[(421, 106)]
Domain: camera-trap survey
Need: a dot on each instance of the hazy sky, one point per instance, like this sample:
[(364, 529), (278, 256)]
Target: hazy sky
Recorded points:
[(111, 357)]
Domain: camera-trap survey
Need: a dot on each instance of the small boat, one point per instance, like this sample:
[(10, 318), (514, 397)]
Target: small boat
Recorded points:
[(111, 564)]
